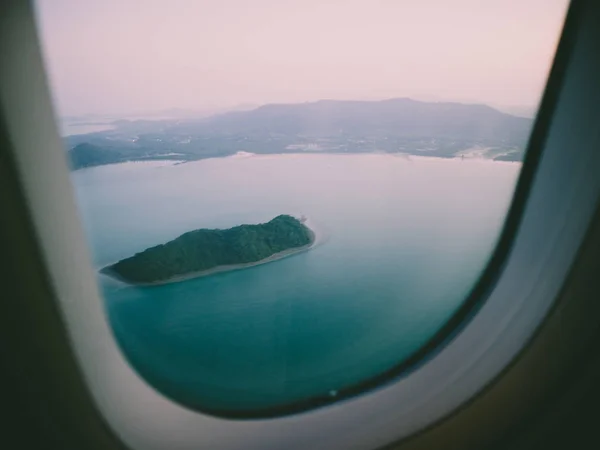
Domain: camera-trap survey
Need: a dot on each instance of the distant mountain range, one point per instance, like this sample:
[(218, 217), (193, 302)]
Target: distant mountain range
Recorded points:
[(395, 125), (401, 117)]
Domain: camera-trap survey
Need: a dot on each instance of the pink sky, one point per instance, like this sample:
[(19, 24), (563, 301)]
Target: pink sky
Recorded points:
[(124, 56)]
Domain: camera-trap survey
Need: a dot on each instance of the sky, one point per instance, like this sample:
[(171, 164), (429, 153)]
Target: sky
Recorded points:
[(141, 56)]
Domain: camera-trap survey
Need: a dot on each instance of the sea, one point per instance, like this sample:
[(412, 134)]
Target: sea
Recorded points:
[(401, 240)]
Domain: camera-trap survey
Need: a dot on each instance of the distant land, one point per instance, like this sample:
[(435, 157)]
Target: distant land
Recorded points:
[(528, 112), (401, 125), (206, 251)]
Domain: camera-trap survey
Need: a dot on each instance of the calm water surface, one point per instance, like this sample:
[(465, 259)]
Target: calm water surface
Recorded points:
[(401, 242)]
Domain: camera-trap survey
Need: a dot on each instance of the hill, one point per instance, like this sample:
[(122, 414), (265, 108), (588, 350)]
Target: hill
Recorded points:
[(395, 125), (205, 251), (395, 117)]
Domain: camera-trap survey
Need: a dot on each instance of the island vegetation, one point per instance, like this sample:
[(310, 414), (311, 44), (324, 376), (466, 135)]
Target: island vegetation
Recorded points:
[(206, 251)]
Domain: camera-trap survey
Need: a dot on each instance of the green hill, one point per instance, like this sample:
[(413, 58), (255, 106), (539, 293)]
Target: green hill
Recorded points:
[(199, 251)]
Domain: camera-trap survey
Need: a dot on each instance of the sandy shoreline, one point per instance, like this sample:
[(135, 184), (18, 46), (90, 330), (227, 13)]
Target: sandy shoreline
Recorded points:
[(220, 269)]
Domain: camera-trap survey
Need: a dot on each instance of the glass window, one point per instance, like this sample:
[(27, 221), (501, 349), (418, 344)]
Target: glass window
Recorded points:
[(286, 200)]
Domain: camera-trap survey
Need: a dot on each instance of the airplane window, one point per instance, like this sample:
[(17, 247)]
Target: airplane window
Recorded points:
[(286, 201)]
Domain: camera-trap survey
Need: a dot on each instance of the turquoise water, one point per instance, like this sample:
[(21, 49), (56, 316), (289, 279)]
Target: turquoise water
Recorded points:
[(401, 242)]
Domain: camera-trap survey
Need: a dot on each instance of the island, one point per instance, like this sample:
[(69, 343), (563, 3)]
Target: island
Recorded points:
[(207, 251)]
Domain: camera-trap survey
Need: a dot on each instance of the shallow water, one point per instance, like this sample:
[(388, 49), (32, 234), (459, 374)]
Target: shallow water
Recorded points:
[(403, 241)]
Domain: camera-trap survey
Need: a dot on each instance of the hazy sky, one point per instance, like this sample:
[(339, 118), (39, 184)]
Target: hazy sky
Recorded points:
[(124, 56)]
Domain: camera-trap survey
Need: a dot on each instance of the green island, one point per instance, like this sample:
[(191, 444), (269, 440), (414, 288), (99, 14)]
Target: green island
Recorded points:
[(207, 251)]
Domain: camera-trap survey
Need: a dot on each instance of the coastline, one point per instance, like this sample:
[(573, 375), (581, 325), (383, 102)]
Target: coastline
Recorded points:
[(220, 269), (246, 155)]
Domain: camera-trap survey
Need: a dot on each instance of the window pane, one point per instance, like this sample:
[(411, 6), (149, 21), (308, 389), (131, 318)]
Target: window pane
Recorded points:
[(329, 178)]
